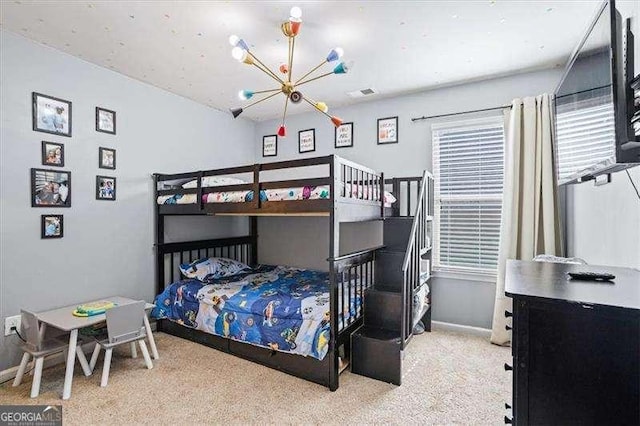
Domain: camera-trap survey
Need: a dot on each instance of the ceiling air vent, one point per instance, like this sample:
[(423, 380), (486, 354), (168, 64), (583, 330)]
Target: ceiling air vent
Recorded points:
[(362, 92)]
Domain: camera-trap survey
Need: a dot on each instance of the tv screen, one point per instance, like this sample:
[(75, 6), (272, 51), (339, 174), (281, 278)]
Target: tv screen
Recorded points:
[(585, 105)]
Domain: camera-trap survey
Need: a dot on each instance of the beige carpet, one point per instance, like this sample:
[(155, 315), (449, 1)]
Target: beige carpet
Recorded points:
[(448, 378)]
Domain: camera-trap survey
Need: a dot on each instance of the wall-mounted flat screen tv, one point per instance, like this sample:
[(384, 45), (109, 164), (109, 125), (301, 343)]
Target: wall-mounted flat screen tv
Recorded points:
[(593, 133)]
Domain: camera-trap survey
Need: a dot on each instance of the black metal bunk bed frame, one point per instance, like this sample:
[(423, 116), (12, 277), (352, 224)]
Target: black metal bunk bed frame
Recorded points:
[(350, 271)]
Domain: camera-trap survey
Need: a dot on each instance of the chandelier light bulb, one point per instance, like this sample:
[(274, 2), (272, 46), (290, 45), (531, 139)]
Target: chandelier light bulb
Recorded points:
[(296, 12), (237, 53), (233, 40)]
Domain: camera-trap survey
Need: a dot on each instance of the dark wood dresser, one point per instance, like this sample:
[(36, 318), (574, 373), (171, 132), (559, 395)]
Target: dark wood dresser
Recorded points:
[(575, 345)]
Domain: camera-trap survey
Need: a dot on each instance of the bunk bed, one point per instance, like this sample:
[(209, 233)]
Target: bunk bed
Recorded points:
[(329, 186)]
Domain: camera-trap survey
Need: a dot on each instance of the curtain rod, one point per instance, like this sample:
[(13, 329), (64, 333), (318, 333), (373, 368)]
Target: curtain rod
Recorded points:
[(459, 113)]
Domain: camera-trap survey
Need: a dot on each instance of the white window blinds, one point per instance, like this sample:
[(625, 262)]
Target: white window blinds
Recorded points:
[(468, 165), (584, 136)]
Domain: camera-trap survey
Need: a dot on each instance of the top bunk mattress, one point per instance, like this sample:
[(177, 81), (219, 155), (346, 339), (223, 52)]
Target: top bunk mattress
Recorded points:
[(281, 194)]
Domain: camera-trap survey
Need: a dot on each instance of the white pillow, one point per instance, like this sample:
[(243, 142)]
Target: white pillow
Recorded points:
[(213, 181), (211, 268)]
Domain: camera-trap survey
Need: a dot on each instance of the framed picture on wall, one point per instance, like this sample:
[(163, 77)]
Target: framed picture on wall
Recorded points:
[(107, 158), (306, 140), (270, 146), (50, 188), (51, 226), (51, 115), (387, 130), (344, 135), (105, 188), (105, 121), (52, 154)]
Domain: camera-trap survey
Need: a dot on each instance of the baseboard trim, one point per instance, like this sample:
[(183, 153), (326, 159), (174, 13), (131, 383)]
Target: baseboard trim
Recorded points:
[(467, 329)]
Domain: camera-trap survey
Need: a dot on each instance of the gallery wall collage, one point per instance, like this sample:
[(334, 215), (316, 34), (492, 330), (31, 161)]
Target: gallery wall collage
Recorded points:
[(343, 138), (52, 187)]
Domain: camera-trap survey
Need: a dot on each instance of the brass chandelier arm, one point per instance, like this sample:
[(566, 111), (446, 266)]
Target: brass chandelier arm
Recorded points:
[(314, 78), (260, 100), (293, 46), (286, 104), (307, 74), (267, 71), (268, 91)]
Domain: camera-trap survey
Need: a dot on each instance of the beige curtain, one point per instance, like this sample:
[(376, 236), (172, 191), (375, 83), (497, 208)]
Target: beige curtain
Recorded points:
[(530, 214)]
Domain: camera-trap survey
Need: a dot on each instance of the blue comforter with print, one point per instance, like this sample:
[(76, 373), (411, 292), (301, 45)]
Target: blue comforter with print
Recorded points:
[(281, 308)]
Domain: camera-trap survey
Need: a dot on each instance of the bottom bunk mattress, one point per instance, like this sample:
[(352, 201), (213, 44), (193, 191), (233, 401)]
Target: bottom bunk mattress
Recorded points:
[(276, 307)]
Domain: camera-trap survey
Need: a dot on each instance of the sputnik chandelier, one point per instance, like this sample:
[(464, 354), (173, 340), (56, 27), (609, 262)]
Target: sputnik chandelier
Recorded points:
[(286, 86)]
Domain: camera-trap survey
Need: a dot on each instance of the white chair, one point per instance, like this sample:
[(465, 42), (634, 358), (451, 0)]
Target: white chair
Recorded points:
[(124, 325), (38, 348)]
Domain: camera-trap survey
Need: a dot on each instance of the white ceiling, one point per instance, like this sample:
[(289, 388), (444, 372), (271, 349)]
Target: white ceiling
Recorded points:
[(398, 47)]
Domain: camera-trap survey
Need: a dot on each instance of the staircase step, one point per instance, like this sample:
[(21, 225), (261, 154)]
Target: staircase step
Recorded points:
[(383, 309), (396, 232), (377, 353), (389, 270)]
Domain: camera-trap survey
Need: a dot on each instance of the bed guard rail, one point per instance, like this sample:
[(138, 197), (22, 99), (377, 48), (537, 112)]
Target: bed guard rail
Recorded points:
[(346, 179)]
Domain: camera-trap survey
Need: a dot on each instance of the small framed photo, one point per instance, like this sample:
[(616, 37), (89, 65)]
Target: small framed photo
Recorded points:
[(344, 135), (387, 130), (105, 188), (50, 188), (52, 154), (52, 226), (51, 115), (105, 121), (306, 140), (107, 158), (270, 146)]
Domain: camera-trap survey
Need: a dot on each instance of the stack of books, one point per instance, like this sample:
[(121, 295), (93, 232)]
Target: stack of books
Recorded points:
[(635, 120)]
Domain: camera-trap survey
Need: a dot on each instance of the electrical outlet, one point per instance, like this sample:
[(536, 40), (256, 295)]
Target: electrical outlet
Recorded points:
[(10, 322)]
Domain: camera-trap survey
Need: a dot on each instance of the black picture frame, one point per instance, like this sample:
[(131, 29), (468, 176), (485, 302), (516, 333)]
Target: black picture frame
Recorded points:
[(101, 191), (46, 120), (384, 140), (46, 220), (43, 191), (264, 141), (100, 127), (102, 164), (47, 148), (313, 140), (348, 125)]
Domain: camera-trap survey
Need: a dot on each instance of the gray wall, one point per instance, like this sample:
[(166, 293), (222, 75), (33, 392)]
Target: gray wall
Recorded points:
[(603, 223), (461, 301), (107, 248)]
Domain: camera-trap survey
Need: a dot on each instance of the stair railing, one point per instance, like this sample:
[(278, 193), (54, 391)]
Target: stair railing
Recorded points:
[(418, 243)]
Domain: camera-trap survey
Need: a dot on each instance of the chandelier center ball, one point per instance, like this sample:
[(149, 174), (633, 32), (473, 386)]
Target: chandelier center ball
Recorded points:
[(287, 88)]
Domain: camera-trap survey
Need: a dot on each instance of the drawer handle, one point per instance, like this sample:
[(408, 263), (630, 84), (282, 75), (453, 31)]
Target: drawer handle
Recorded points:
[(507, 406), (507, 314), (507, 327), (507, 420), (507, 367)]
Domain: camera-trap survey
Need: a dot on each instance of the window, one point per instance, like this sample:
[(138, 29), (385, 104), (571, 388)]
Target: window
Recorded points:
[(468, 165), (585, 134)]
